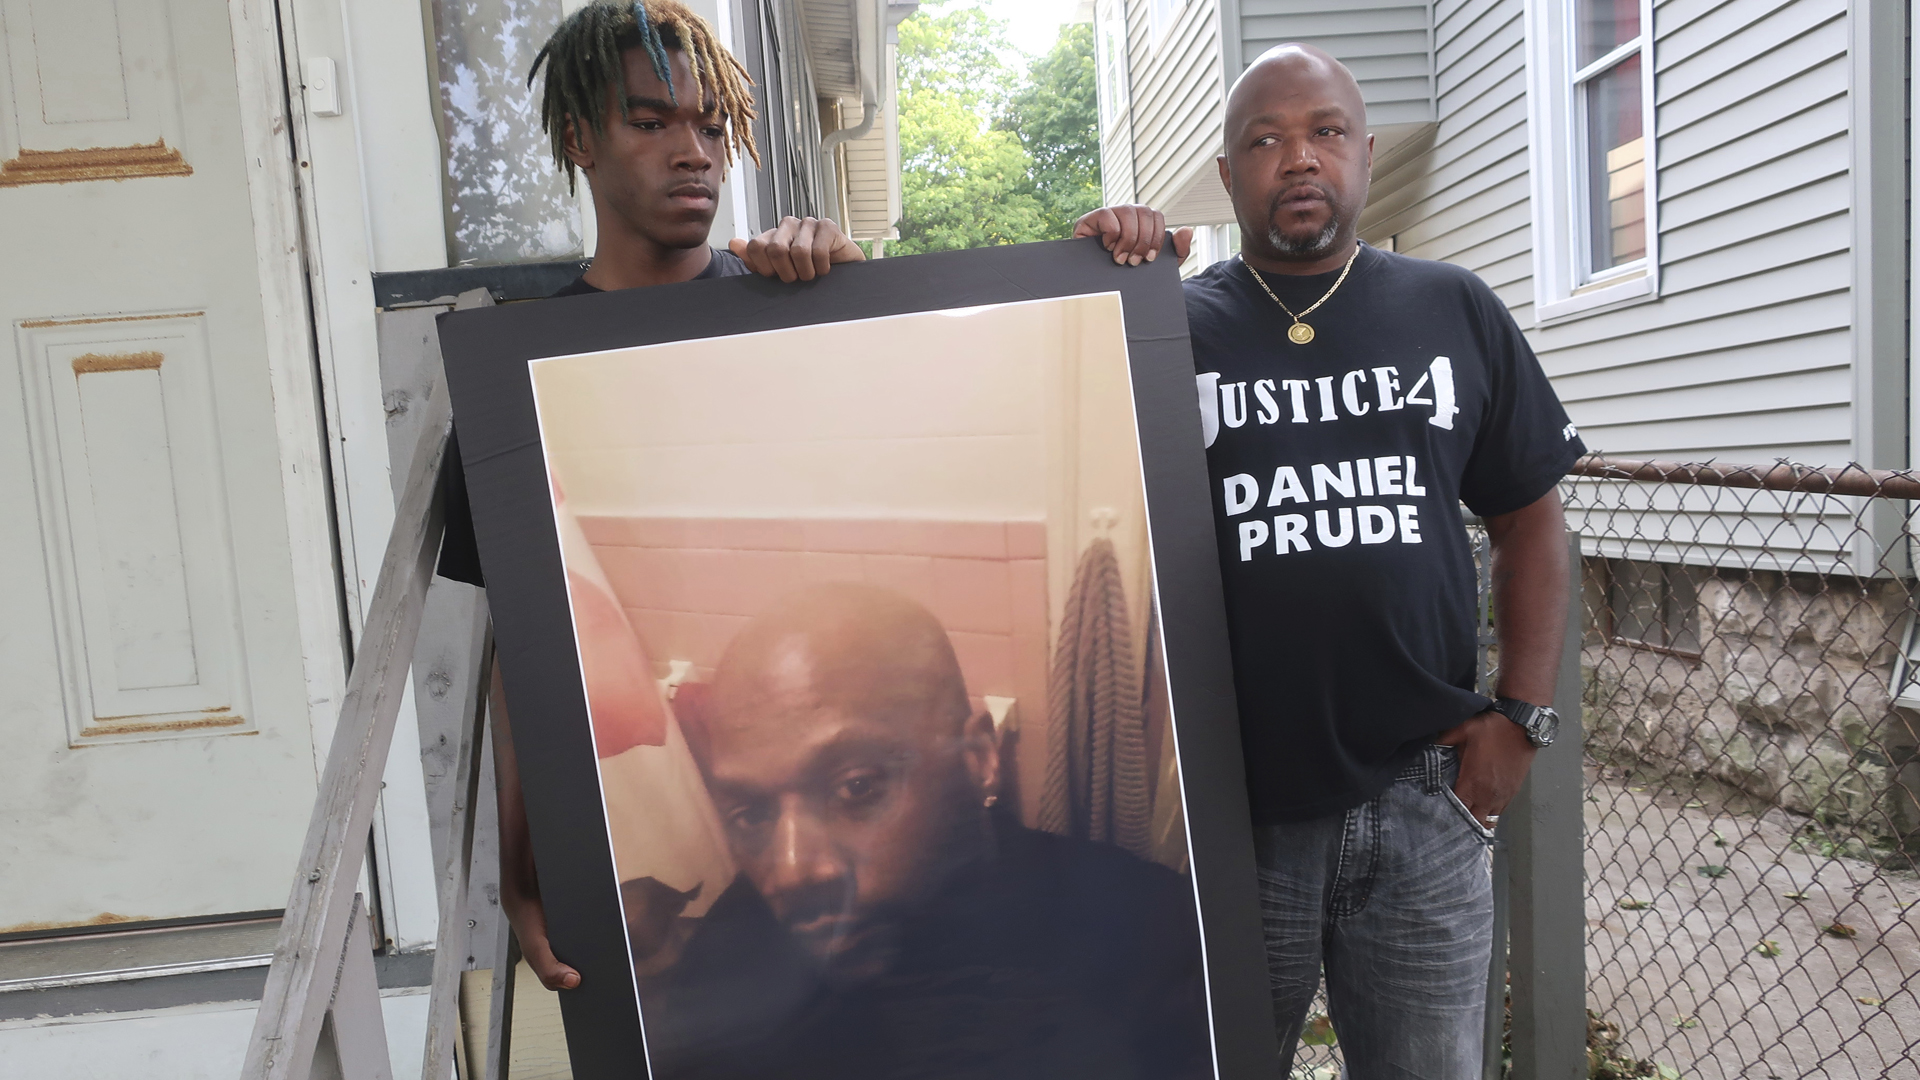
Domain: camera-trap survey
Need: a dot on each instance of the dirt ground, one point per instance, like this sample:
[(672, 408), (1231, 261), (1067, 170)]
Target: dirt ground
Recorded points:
[(1732, 973), (1675, 953)]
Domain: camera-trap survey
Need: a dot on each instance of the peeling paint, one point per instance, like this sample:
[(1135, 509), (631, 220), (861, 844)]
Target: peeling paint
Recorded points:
[(105, 918), (97, 363), (94, 163), (114, 725)]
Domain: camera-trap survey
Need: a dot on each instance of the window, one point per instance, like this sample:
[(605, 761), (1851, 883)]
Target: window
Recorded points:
[(1653, 606), (506, 200), (1111, 55), (1211, 244), (1590, 97), (1116, 109), (1160, 18)]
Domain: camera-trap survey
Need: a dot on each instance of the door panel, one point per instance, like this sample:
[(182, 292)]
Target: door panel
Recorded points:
[(155, 749), (122, 427), (92, 89)]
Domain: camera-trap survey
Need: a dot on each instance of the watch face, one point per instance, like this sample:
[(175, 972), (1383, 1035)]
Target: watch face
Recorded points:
[(1546, 724)]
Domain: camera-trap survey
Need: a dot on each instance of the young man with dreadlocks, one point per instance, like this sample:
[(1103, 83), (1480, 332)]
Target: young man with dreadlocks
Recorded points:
[(684, 112), (643, 99)]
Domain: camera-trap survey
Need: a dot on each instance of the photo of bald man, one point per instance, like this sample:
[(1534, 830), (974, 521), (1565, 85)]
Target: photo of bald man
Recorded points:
[(883, 724), (882, 890)]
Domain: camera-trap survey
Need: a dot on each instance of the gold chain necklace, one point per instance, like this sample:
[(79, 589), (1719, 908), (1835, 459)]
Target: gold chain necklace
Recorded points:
[(1300, 333)]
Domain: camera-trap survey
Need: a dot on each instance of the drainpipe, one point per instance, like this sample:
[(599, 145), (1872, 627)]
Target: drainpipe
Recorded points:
[(867, 18), (869, 109)]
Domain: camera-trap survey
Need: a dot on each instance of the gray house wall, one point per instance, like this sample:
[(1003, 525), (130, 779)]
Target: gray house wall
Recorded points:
[(1745, 355), (1177, 99), (1460, 192), (1178, 86), (1387, 44)]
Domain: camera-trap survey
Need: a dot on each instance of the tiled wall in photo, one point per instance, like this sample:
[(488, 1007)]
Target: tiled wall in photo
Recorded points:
[(689, 584)]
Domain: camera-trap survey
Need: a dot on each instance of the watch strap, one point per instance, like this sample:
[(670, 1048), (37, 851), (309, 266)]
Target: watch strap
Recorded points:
[(1520, 712), (1532, 719)]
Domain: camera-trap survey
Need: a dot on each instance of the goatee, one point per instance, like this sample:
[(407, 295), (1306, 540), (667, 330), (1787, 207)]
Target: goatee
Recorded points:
[(1305, 249)]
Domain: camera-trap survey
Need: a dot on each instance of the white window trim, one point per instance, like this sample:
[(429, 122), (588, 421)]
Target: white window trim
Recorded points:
[(1110, 62), (1562, 289)]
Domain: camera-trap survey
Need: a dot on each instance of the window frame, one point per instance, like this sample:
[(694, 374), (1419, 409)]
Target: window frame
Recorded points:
[(1563, 286), (1161, 17), (1674, 590), (1110, 67)]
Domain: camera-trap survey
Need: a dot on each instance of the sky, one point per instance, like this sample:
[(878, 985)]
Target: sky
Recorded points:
[(1032, 25)]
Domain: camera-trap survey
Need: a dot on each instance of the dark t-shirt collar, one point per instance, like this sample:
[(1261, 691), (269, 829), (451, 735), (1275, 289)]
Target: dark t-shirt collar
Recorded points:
[(722, 264)]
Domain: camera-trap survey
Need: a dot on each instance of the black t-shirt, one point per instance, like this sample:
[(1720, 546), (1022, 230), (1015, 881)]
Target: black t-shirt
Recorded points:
[(1338, 469), (1059, 958), (459, 552)]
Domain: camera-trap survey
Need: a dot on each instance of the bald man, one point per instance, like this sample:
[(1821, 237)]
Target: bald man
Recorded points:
[(888, 920), (1351, 400)]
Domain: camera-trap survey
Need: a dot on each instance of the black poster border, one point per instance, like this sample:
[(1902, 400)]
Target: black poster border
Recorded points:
[(486, 352)]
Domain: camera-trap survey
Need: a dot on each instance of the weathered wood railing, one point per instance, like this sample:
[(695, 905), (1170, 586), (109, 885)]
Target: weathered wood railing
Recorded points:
[(320, 1014)]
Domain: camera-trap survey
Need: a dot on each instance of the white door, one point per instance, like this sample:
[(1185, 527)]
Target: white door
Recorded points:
[(156, 755)]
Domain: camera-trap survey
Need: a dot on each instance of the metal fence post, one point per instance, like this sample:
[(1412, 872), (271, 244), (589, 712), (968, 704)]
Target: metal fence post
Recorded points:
[(1546, 885)]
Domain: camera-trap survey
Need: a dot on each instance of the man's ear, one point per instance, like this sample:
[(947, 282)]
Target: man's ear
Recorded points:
[(982, 751), (1226, 172), (1369, 153), (576, 147)]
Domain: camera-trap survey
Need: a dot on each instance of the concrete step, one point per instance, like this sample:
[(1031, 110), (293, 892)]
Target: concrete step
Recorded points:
[(177, 1003)]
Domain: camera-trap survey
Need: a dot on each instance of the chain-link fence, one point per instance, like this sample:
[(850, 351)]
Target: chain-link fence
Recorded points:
[(1753, 794), (1752, 768)]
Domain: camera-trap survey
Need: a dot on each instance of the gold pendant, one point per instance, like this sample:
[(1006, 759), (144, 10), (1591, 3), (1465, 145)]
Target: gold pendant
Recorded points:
[(1300, 333)]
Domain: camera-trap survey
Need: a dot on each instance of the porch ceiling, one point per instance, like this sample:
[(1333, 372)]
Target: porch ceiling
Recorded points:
[(832, 46)]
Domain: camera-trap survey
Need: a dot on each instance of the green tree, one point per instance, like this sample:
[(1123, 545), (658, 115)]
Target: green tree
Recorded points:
[(989, 153), (1056, 114), (964, 183)]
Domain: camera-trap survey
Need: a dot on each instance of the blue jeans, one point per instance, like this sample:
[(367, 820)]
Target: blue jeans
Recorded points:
[(1394, 900)]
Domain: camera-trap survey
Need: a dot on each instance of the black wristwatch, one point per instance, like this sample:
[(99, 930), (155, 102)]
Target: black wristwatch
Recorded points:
[(1540, 722)]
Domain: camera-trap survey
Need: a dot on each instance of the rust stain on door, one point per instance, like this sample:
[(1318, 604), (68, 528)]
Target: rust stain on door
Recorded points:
[(95, 363), (105, 918)]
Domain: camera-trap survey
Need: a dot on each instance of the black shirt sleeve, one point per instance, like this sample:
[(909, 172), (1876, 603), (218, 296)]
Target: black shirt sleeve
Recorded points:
[(1526, 443), (459, 551)]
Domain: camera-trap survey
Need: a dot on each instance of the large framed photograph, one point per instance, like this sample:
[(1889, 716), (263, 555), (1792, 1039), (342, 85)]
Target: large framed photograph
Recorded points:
[(867, 671)]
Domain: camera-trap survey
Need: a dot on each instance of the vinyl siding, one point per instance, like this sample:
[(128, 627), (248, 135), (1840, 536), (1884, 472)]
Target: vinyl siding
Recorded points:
[(1745, 355), (1116, 165), (1755, 242), (869, 179), (1387, 45), (1177, 99)]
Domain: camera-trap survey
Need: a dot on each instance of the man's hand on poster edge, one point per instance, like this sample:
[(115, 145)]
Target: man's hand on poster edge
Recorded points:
[(519, 883), (529, 918), (798, 249), (1494, 758), (1133, 233)]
